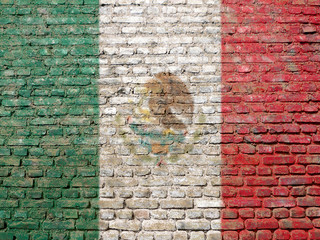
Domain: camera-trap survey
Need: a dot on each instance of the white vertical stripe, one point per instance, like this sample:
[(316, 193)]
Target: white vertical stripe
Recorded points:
[(138, 40)]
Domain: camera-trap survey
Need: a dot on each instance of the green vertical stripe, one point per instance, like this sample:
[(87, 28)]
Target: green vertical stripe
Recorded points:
[(49, 60)]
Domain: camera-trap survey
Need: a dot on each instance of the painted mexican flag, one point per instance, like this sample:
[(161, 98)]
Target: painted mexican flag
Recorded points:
[(159, 119)]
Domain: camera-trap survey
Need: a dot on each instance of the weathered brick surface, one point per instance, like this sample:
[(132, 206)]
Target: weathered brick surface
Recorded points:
[(144, 121), (228, 141), (49, 56), (270, 74)]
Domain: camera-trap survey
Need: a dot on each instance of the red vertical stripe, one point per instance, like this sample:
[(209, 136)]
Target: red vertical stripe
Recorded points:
[(270, 134)]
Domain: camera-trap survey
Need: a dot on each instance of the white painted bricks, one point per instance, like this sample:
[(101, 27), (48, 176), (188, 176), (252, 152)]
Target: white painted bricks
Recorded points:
[(180, 198)]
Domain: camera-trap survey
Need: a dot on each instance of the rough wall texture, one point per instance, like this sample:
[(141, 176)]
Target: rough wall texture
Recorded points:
[(159, 131), (208, 119), (49, 119), (270, 55)]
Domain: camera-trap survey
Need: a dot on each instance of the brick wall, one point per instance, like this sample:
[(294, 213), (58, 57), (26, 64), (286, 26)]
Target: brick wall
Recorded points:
[(49, 56), (270, 77), (159, 131), (160, 120)]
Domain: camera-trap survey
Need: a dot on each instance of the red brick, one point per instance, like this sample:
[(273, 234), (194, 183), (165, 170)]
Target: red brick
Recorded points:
[(314, 2), (268, 139), (231, 99), (309, 160), (229, 213), (299, 235), (263, 192), (228, 191), (294, 97), (313, 191), (311, 108), (263, 213), (276, 108), (242, 159), (247, 235), (248, 170), (230, 150), (313, 169), (264, 171), (226, 171), (227, 139), (282, 149), (316, 138), (228, 29), (281, 170), (275, 78), (310, 10), (265, 149), (277, 160), (244, 69), (307, 119), (295, 10), (309, 68), (240, 119), (258, 108), (281, 234), (308, 201), (298, 149), (294, 139), (241, 109), (297, 180), (276, 119), (254, 224), (306, 77), (264, 235), (245, 192), (279, 202), (295, 223), (293, 88), (294, 108), (275, 48), (276, 129), (281, 213), (316, 222), (261, 181), (238, 139), (227, 129), (243, 130), (247, 149), (260, 59), (314, 234), (259, 129), (291, 128), (317, 180), (308, 128), (246, 213), (313, 212), (280, 192), (230, 235), (297, 169), (232, 224), (314, 149), (298, 191), (226, 109), (297, 212), (232, 181)]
